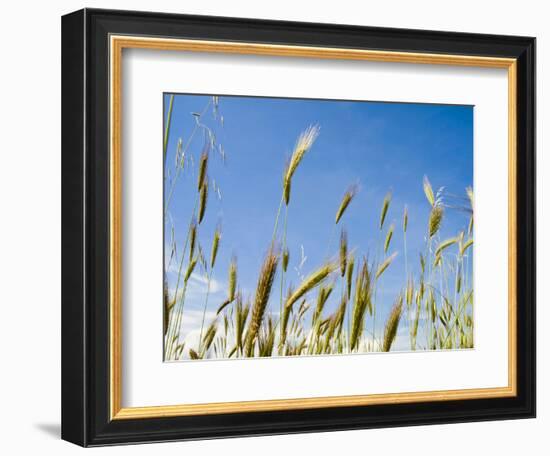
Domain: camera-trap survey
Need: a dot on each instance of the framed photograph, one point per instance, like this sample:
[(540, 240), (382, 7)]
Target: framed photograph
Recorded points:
[(278, 227)]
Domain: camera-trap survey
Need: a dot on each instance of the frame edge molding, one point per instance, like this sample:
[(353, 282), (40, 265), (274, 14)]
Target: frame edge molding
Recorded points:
[(87, 411)]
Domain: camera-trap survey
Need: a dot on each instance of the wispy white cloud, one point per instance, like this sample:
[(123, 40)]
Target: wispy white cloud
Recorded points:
[(191, 324), (190, 328), (197, 286), (199, 283)]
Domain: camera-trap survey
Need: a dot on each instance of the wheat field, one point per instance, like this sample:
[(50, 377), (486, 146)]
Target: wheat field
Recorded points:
[(338, 306)]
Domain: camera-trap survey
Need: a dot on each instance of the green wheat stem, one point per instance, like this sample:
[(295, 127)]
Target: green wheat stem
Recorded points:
[(458, 314), (459, 269), (282, 269), (348, 308), (184, 151), (205, 306), (171, 335), (443, 287), (277, 220), (168, 124), (407, 284), (375, 292), (180, 267), (429, 283)]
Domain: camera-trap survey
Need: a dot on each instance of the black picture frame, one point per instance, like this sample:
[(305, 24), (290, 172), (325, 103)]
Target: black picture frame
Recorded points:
[(85, 228)]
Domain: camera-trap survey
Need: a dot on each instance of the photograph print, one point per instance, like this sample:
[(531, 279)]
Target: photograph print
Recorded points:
[(305, 227)]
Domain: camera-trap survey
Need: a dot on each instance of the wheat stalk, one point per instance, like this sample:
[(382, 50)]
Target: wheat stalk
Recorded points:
[(311, 282), (192, 239), (363, 293), (388, 238), (390, 330), (428, 191), (168, 124), (445, 244), (467, 244), (349, 275), (316, 321), (335, 323), (166, 309), (343, 252), (215, 245), (203, 198), (231, 287), (434, 222), (284, 323), (266, 341), (285, 259), (304, 143), (190, 269), (470, 193), (263, 290), (322, 297), (241, 315), (209, 337), (346, 199), (385, 265), (385, 207), (232, 278), (203, 165)]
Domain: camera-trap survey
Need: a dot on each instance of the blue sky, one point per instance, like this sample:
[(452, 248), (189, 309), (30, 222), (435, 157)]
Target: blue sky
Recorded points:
[(381, 146)]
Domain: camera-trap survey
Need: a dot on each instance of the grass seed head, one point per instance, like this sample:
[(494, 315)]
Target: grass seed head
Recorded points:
[(203, 165), (385, 207), (434, 222), (410, 292), (346, 200), (203, 198), (322, 297), (392, 323), (166, 309), (209, 336), (385, 265), (304, 143), (232, 278), (465, 246), (263, 290), (349, 275), (285, 259), (343, 252), (215, 245), (192, 239), (388, 238), (428, 191), (284, 321), (310, 282), (470, 193), (362, 303), (445, 244), (190, 269), (223, 306)]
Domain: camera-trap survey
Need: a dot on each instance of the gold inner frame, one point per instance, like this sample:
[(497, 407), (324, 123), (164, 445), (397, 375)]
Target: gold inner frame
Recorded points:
[(117, 44)]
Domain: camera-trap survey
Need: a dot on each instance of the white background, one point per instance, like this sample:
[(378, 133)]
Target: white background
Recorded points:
[(148, 381), (30, 229)]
